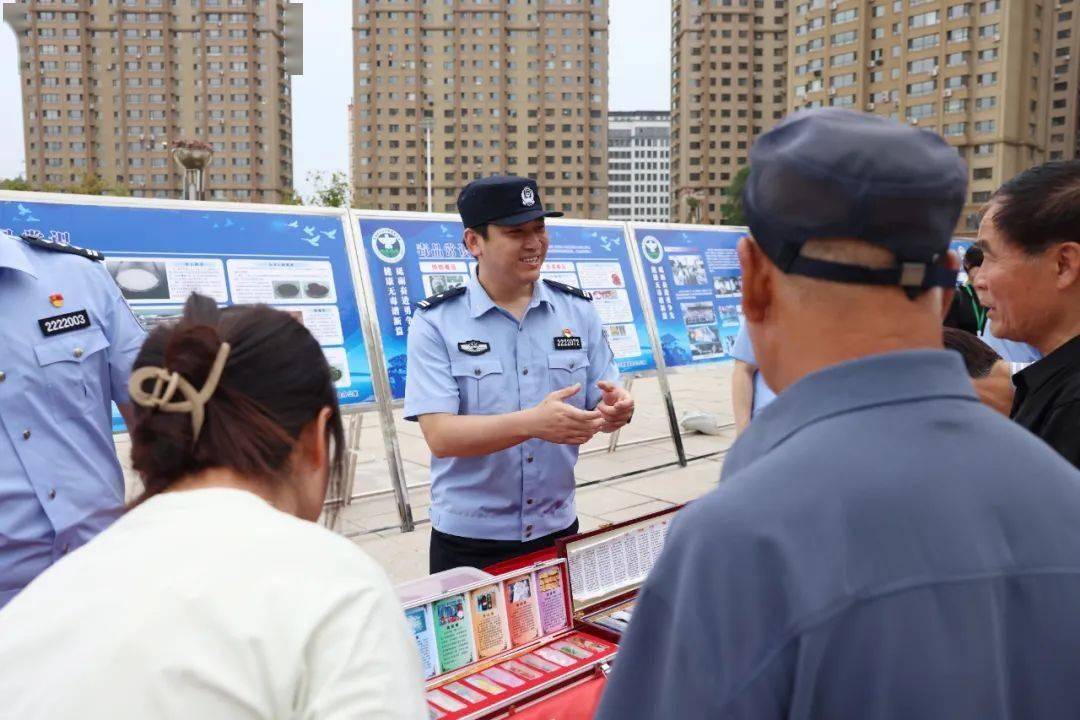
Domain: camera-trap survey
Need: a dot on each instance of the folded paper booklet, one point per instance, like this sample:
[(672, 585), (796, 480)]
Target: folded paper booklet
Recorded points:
[(607, 568), (499, 642)]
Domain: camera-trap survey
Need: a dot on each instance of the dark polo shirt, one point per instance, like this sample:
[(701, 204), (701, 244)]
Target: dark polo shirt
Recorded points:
[(1047, 400)]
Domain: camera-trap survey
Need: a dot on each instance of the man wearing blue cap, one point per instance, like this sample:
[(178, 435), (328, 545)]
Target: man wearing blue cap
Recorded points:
[(507, 376), (853, 564)]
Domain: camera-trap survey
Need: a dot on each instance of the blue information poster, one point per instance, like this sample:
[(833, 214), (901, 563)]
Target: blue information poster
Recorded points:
[(297, 262), (693, 281), (411, 257)]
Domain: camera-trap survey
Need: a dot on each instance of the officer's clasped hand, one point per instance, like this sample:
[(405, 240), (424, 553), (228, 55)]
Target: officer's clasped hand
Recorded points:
[(557, 421), (616, 406)]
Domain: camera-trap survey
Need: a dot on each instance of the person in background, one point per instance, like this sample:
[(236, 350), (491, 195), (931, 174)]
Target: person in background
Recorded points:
[(991, 376), (216, 595), (67, 341), (749, 391), (1030, 283), (852, 564), (966, 312)]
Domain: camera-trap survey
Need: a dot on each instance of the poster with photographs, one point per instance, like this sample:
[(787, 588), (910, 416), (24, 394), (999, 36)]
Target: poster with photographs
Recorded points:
[(693, 283), (411, 258), (295, 259)]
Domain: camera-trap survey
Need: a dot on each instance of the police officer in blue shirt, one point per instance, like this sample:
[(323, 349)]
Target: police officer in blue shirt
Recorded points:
[(67, 343), (853, 564), (507, 376)]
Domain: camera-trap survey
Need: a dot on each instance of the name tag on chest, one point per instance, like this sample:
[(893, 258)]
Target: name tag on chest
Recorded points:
[(60, 324), (573, 342)]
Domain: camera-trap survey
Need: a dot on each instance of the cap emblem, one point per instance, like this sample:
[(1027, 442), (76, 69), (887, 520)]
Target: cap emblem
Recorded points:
[(528, 197)]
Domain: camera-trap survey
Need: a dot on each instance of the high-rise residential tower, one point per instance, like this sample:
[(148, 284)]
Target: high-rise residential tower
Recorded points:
[(109, 85)]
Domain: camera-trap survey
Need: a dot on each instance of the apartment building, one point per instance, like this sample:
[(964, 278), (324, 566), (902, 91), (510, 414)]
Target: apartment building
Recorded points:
[(109, 85), (728, 85), (515, 87), (639, 166)]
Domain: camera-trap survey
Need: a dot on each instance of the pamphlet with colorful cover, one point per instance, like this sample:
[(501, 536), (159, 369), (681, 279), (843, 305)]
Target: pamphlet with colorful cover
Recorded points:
[(424, 634), (452, 633), (488, 621)]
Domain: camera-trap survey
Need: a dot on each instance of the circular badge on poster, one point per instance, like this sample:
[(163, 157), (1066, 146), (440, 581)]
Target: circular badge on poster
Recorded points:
[(652, 248), (388, 245)]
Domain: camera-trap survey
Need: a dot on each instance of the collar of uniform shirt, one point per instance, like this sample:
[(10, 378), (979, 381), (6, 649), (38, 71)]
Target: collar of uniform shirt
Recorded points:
[(480, 302), (13, 255), (847, 387), (1065, 359)]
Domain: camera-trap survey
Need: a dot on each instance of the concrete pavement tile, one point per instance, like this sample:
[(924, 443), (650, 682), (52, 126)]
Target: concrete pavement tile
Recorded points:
[(635, 511), (600, 500)]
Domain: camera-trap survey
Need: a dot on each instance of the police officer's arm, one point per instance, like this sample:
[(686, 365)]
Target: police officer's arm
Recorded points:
[(126, 337), (742, 394), (742, 379), (431, 398)]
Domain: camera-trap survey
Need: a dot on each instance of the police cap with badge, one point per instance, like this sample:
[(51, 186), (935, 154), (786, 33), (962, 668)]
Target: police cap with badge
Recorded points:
[(832, 173), (502, 200)]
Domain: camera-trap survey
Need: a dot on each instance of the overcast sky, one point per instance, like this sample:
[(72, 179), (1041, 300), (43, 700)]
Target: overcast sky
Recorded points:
[(640, 66)]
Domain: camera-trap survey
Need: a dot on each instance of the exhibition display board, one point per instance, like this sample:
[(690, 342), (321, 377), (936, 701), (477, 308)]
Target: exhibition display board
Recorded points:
[(667, 295), (293, 259), (409, 257), (692, 279)]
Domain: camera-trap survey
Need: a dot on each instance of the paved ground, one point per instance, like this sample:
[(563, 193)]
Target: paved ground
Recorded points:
[(612, 487)]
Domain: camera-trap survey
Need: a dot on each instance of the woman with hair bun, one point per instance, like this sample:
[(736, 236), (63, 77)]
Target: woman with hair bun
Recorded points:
[(216, 595)]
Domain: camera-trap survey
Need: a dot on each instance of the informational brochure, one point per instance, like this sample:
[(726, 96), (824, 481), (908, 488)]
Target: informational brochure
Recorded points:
[(617, 563), (486, 684), (444, 701), (464, 692), (522, 610), (555, 656), (488, 625), (503, 677), (419, 619), (551, 587), (452, 635), (522, 671)]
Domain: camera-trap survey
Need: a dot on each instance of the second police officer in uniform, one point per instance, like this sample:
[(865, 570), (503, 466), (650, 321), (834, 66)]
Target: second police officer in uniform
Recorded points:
[(68, 341), (507, 376)]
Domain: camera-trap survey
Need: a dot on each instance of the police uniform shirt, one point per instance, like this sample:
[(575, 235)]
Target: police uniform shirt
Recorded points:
[(853, 564), (1047, 400), (68, 342), (468, 356)]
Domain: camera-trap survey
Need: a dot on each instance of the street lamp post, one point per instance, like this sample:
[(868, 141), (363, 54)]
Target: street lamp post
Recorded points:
[(428, 123)]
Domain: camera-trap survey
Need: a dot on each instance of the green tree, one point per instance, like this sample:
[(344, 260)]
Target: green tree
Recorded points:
[(330, 190), (17, 183), (290, 197), (731, 210)]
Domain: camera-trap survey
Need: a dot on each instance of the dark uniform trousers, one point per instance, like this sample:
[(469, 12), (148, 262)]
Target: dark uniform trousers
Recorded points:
[(451, 551)]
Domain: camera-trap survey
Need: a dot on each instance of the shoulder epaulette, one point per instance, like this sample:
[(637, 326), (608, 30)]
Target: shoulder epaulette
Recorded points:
[(63, 247), (428, 303), (569, 289)]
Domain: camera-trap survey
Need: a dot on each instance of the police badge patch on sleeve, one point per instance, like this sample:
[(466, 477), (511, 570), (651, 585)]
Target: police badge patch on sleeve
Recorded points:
[(474, 347)]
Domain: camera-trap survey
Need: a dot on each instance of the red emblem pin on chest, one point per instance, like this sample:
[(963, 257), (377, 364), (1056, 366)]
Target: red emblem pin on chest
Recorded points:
[(567, 332), (57, 300)]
